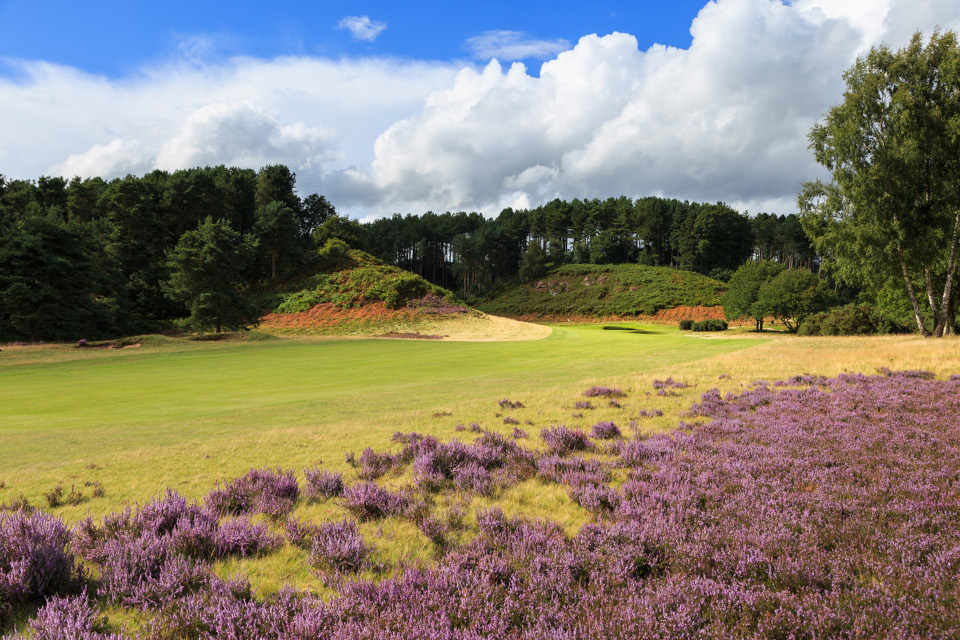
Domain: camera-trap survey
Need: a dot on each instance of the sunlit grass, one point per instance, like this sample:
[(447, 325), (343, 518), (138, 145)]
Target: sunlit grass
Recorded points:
[(185, 415)]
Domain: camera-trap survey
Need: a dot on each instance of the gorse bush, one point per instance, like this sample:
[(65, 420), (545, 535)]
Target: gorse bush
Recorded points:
[(851, 320), (710, 325)]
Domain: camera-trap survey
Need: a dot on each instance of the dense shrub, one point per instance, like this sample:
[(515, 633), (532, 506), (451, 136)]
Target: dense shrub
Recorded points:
[(260, 490), (712, 324), (851, 320), (70, 618), (367, 501), (562, 440), (35, 558), (686, 325), (322, 485), (339, 546), (606, 431)]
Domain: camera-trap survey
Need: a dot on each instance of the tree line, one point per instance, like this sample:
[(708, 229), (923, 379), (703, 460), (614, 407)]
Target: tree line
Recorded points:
[(96, 258), (469, 253)]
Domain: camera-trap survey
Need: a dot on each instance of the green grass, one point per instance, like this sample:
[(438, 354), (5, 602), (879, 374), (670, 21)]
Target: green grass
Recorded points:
[(583, 290), (191, 414)]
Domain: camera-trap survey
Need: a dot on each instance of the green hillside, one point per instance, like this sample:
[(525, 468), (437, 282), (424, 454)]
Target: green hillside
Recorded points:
[(586, 290), (353, 280)]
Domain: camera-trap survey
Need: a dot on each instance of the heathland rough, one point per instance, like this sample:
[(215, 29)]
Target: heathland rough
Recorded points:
[(810, 507)]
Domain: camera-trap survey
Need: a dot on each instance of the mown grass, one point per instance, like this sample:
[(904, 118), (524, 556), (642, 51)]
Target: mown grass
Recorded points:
[(186, 414)]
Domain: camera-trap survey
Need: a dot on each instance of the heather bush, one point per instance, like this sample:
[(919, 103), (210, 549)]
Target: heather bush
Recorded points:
[(339, 546), (367, 501), (35, 558), (68, 618), (373, 465), (561, 440), (240, 537), (583, 404), (506, 403), (604, 392), (322, 485), (606, 431), (511, 421), (260, 490)]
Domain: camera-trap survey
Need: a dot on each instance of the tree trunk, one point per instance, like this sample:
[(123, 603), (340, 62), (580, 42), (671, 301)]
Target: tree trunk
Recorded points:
[(273, 265), (913, 294), (945, 322)]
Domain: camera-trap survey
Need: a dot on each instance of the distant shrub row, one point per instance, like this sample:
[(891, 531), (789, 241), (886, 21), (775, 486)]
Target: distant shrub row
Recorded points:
[(851, 320), (703, 325)]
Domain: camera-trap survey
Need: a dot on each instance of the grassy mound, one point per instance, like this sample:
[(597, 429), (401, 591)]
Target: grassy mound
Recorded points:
[(584, 291), (360, 279)]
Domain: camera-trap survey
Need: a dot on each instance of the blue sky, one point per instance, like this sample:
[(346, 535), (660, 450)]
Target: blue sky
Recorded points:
[(116, 38), (387, 108)]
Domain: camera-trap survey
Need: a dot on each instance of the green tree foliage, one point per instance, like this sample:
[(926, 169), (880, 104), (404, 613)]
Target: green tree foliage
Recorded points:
[(58, 280), (276, 228), (792, 296), (743, 293), (533, 265), (206, 268), (340, 228), (893, 147)]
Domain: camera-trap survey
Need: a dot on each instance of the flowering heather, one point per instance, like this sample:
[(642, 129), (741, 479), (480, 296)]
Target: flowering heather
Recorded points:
[(35, 558), (604, 392), (475, 428), (260, 490), (613, 404), (70, 618), (519, 433), (509, 420), (583, 404), (367, 501), (242, 538), (669, 383), (816, 509), (322, 485), (652, 413), (339, 546), (606, 431), (510, 404), (373, 465), (561, 440), (572, 470)]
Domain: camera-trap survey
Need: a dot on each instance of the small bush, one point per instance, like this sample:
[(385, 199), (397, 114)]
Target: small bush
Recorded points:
[(606, 431), (322, 485), (561, 440), (339, 546), (367, 501), (686, 325), (35, 561), (710, 325)]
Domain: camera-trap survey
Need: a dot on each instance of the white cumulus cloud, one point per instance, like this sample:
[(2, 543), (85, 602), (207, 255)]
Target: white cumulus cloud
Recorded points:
[(362, 27), (725, 119)]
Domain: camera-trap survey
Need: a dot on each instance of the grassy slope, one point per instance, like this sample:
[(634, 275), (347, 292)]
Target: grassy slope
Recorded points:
[(582, 290)]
